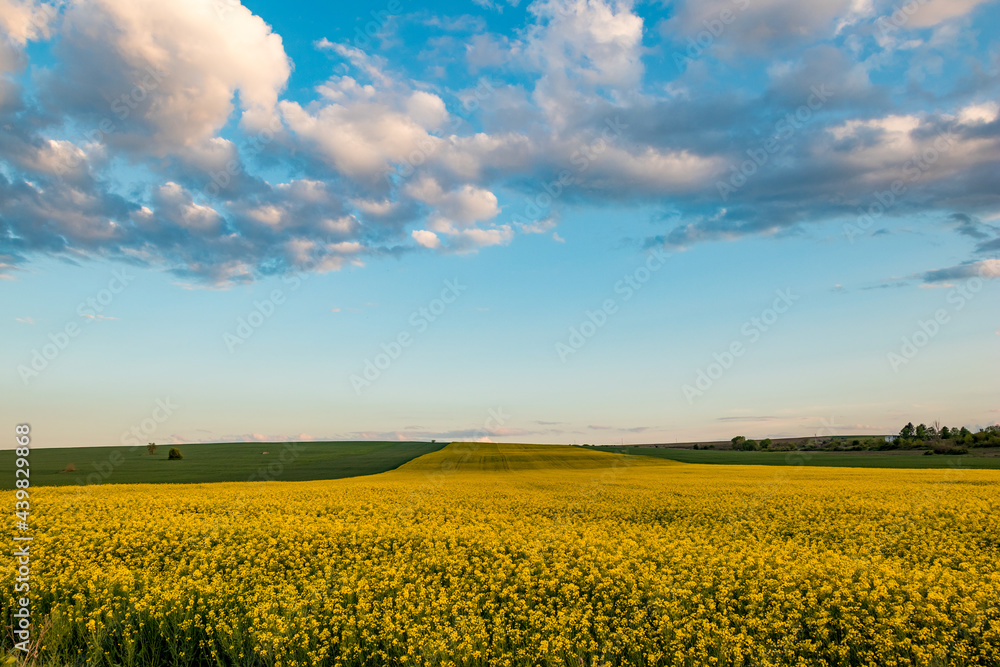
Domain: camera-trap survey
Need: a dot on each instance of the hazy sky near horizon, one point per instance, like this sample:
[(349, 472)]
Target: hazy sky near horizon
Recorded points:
[(551, 221)]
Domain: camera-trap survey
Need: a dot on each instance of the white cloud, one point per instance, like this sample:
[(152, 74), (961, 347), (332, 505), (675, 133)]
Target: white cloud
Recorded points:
[(345, 225), (467, 240), (56, 157), (651, 169), (171, 70), (381, 208), (469, 158), (426, 238), (463, 207), (538, 227), (306, 190), (267, 214), (986, 112), (581, 46), (933, 12), (456, 214), (345, 247), (597, 41), (24, 20), (426, 109), (882, 150), (174, 204), (361, 139)]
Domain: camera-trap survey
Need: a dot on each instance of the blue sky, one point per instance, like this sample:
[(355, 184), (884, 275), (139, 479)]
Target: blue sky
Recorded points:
[(587, 221)]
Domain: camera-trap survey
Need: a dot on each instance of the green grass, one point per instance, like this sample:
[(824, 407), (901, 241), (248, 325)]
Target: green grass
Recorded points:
[(231, 462), (487, 456), (869, 459), (223, 462)]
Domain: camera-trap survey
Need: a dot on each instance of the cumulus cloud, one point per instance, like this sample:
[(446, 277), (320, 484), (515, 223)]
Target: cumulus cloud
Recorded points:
[(462, 207), (149, 76), (839, 169), (583, 47), (361, 140), (24, 20), (456, 215), (162, 132), (426, 238)]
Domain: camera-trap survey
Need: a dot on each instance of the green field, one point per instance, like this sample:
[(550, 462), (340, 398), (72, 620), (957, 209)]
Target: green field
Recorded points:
[(887, 459), (218, 462)]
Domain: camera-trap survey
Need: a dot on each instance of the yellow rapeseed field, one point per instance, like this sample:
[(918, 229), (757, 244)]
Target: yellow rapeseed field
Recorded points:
[(519, 555)]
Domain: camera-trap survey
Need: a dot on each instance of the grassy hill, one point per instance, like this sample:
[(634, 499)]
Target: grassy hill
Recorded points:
[(487, 456), (217, 462)]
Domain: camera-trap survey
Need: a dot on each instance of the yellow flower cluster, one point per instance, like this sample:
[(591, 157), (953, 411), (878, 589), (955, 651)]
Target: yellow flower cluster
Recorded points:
[(445, 563)]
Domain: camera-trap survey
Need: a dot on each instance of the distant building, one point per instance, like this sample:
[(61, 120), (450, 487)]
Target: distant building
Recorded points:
[(890, 438)]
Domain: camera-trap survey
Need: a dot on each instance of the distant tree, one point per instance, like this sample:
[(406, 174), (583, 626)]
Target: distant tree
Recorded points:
[(907, 431), (945, 433), (921, 431), (766, 443), (175, 454), (750, 446), (738, 442), (985, 437), (964, 432), (151, 448)]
